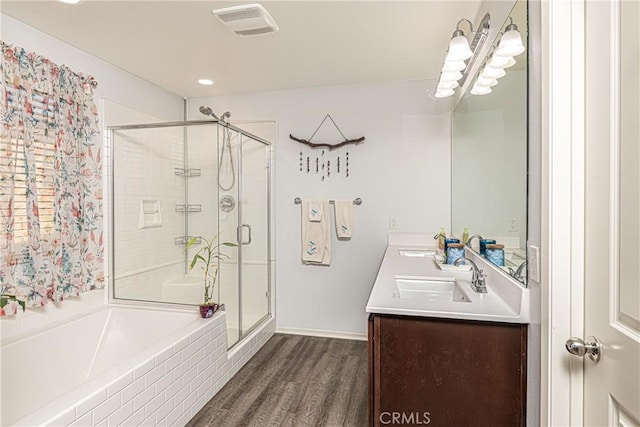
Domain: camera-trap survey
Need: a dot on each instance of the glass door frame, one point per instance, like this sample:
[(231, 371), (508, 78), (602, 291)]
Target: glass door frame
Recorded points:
[(109, 150), (240, 156)]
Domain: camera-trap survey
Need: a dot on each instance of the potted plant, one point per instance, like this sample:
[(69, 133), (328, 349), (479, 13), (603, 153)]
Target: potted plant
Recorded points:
[(209, 257), (9, 304)]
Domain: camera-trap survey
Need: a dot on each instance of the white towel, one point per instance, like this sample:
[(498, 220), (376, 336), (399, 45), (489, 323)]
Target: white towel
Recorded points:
[(344, 221), (316, 240), (315, 210)]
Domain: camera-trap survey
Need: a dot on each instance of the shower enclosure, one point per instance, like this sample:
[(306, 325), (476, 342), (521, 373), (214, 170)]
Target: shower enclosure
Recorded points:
[(171, 182)]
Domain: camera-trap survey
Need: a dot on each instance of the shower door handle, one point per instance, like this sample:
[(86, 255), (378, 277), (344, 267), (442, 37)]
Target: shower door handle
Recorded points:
[(248, 227)]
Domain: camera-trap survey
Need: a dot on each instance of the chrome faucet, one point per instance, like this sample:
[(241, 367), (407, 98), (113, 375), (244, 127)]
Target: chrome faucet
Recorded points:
[(468, 242), (517, 274), (477, 276)]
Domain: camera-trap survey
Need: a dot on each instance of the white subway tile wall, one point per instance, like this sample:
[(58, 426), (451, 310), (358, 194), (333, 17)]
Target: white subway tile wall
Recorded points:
[(144, 161), (172, 386)]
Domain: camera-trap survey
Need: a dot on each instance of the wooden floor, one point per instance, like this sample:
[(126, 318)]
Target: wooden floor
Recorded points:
[(295, 381)]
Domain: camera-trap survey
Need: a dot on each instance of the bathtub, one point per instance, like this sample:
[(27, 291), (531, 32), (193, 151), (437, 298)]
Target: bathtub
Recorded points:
[(116, 366)]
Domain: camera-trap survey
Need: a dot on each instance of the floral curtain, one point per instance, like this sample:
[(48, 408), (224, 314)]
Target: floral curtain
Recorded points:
[(51, 242)]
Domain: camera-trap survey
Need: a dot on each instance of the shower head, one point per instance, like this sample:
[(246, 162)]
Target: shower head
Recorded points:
[(207, 111)]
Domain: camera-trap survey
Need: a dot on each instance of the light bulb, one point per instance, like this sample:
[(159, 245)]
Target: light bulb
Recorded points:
[(444, 93), (493, 73), (447, 85), (479, 90), (484, 82), (459, 49), (510, 43), (453, 66), (502, 62), (450, 76)]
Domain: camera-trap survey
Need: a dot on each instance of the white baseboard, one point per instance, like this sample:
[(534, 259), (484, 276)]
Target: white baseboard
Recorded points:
[(321, 333)]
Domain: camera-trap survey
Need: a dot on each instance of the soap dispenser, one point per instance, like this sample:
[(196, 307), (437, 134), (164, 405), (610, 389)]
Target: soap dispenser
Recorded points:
[(441, 238), (465, 236)]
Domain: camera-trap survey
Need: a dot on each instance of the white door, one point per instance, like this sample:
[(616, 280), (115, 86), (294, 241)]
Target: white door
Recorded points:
[(612, 215)]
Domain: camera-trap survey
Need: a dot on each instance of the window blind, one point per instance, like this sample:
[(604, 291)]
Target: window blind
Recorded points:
[(13, 164)]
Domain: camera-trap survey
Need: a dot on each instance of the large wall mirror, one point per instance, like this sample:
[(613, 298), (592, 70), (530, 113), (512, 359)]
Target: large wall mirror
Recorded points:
[(489, 159)]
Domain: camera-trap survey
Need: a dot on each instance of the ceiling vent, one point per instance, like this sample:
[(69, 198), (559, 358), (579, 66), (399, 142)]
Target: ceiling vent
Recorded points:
[(247, 20)]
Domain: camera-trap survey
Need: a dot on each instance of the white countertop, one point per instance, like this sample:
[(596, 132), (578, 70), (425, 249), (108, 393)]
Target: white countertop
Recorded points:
[(506, 300)]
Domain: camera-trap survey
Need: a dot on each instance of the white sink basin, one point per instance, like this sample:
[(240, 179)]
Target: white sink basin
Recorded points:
[(429, 288), (417, 253)]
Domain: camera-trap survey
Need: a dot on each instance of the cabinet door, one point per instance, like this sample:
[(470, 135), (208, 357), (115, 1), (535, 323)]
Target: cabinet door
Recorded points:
[(449, 373), (371, 360)]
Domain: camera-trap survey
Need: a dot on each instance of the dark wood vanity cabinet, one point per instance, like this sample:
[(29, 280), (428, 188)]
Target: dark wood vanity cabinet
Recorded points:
[(446, 373)]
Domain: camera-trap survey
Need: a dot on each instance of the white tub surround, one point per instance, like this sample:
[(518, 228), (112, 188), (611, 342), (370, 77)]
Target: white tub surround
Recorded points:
[(506, 300), (120, 366)]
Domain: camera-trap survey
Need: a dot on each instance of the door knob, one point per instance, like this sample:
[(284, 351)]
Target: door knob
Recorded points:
[(578, 347)]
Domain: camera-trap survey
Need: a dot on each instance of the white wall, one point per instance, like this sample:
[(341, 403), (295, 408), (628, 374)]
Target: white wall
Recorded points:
[(114, 84), (401, 170)]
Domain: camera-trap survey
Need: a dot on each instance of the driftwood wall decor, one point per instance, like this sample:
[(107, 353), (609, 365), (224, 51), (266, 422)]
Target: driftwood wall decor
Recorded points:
[(320, 161), (327, 145)]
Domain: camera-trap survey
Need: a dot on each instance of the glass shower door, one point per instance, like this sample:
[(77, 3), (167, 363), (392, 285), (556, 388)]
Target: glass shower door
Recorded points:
[(228, 193), (253, 232)]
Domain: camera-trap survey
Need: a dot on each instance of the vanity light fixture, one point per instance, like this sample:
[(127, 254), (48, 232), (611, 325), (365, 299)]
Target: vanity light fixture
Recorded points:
[(480, 90), (492, 73), (501, 62), (511, 42), (453, 66), (510, 45), (460, 55), (485, 82), (450, 76)]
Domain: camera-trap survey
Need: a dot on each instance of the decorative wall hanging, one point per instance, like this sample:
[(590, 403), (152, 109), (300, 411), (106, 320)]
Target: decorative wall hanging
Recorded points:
[(324, 144), (347, 164), (326, 155)]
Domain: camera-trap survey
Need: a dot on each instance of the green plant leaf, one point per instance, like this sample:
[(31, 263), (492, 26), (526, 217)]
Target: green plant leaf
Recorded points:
[(229, 244), (4, 300), (192, 241), (195, 259)]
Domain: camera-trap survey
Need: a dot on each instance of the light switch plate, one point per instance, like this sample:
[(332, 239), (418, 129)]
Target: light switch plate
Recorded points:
[(534, 263), (393, 223)]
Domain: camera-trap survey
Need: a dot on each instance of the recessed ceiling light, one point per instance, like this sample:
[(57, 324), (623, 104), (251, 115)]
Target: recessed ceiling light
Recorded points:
[(70, 1), (205, 82)]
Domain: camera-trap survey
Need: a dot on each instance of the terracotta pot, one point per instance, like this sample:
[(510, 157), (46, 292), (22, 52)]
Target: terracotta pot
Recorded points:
[(208, 310)]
